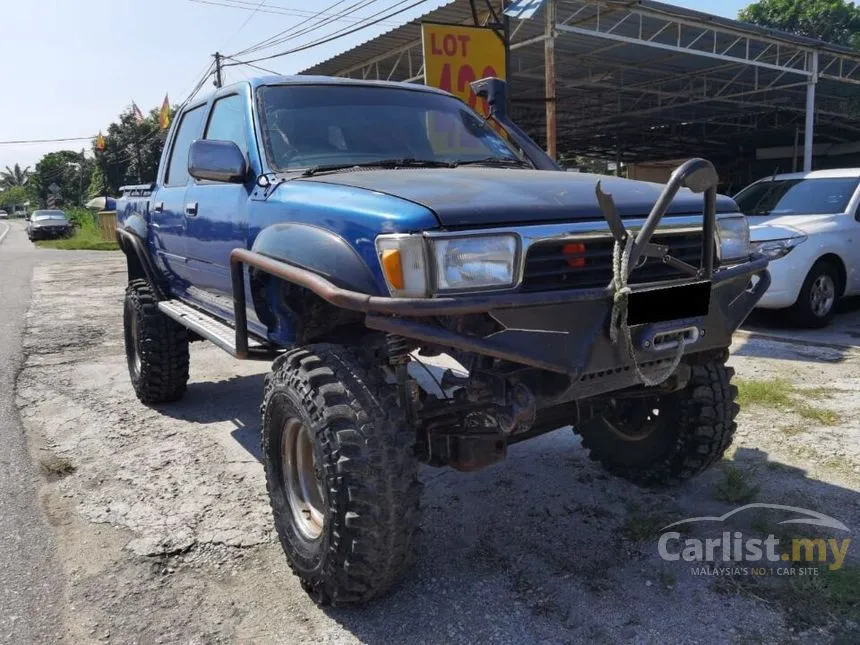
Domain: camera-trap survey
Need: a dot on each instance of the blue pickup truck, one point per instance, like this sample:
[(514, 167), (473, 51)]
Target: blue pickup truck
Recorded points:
[(351, 231)]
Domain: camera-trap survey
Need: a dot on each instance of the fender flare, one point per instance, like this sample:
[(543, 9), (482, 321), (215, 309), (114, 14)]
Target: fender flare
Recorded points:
[(135, 250), (317, 250)]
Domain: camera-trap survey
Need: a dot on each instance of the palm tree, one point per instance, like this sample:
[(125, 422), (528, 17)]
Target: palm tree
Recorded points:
[(14, 176)]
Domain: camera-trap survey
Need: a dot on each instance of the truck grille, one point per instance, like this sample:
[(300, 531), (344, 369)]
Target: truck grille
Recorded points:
[(564, 264)]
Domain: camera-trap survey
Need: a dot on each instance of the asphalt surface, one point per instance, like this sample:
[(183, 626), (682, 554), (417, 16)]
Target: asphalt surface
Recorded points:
[(31, 587)]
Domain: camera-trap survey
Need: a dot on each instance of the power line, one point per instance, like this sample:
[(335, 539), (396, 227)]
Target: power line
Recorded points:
[(266, 41), (242, 26), (262, 69), (28, 141), (334, 36)]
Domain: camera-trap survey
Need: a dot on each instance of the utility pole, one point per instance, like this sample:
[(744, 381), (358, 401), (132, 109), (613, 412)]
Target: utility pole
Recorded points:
[(218, 79), (549, 79)]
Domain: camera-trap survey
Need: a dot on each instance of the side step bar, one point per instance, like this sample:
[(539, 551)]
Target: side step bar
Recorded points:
[(213, 330)]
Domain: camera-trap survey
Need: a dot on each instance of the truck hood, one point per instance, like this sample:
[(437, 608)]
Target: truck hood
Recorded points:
[(478, 196)]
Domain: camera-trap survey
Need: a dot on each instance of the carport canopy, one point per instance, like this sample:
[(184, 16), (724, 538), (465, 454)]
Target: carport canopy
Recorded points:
[(640, 81)]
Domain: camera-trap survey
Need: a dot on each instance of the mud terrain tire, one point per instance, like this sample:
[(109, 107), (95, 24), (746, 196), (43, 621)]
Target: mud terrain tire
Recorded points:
[(156, 347), (357, 541), (678, 436)]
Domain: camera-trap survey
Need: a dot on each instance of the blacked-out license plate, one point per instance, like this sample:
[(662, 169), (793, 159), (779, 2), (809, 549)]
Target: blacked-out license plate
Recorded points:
[(669, 303)]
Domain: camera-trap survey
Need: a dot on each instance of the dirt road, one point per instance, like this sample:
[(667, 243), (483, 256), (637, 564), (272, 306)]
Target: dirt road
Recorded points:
[(163, 530)]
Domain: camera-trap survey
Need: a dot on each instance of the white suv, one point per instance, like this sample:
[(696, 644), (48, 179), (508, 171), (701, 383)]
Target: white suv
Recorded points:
[(4, 214), (807, 224)]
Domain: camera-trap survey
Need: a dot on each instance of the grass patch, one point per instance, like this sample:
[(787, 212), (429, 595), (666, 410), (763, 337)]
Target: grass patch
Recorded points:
[(641, 528), (831, 598), (780, 394), (87, 237), (792, 430), (736, 487)]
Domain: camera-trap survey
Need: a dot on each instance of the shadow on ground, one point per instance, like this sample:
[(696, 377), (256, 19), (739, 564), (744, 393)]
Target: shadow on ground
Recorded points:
[(545, 547)]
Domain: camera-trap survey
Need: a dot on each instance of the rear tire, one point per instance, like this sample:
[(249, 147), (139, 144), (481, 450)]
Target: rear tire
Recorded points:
[(156, 347), (816, 304), (672, 437), (346, 524)]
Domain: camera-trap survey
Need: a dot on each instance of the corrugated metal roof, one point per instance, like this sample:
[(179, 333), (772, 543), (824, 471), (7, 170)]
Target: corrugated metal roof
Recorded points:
[(682, 93)]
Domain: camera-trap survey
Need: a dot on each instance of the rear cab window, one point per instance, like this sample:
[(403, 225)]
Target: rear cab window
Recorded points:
[(189, 130)]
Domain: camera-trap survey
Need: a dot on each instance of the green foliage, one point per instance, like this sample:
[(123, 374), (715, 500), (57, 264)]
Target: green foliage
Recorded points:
[(834, 21), (15, 176), (131, 153), (87, 235), (69, 170), (13, 196)]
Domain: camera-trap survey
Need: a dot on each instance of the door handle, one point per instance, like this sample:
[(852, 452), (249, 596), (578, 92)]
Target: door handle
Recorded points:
[(158, 207), (191, 208)]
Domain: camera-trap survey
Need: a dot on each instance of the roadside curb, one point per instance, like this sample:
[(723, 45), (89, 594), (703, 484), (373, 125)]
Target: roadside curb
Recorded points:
[(848, 349), (5, 233)]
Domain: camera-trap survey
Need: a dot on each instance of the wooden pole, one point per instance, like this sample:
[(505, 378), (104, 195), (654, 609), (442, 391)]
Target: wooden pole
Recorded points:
[(549, 68)]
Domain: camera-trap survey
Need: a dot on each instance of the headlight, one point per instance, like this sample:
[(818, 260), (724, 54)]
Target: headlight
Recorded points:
[(479, 262), (733, 235), (775, 249), (459, 263)]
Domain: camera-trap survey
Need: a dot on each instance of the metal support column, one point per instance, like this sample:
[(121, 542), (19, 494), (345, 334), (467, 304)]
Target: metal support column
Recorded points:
[(809, 131), (549, 68)]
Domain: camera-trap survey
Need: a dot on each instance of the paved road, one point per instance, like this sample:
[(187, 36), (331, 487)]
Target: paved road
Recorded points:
[(31, 588), (31, 583)]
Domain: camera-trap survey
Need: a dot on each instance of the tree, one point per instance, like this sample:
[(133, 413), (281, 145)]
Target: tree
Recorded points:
[(833, 21), (131, 153), (14, 176), (67, 169), (13, 196)]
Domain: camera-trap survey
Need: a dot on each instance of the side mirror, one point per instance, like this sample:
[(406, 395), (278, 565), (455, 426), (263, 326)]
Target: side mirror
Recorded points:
[(213, 160)]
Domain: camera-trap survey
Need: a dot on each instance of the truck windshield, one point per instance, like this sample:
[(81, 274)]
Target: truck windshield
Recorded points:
[(306, 126), (813, 196)]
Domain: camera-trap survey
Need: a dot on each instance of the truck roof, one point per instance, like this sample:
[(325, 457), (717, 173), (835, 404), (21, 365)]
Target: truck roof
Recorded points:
[(330, 80)]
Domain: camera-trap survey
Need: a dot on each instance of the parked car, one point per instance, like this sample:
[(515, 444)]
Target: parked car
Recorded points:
[(808, 224), (4, 214), (345, 228), (48, 224)]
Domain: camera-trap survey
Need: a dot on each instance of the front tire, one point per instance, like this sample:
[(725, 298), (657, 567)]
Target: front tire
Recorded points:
[(816, 304), (156, 347), (341, 472), (664, 440)]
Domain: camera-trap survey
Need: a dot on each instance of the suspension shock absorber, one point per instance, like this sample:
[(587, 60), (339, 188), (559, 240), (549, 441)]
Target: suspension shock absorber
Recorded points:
[(398, 357)]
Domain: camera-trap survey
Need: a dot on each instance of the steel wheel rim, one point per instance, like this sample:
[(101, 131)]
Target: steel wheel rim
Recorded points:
[(822, 295), (302, 480), (135, 344), (642, 420)]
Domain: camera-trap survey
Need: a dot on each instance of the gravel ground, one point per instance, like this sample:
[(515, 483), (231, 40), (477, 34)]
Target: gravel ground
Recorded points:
[(163, 527)]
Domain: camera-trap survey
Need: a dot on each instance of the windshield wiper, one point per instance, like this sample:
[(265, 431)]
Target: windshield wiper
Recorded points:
[(382, 163), (492, 161)]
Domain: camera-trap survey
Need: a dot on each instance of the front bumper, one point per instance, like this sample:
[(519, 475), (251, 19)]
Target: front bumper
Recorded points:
[(561, 331), (49, 233), (572, 336)]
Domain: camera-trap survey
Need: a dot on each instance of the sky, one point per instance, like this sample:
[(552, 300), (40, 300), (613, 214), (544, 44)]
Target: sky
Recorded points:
[(70, 67)]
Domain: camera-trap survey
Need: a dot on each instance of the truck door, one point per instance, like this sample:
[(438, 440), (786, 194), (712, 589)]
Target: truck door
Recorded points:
[(167, 204), (216, 212)]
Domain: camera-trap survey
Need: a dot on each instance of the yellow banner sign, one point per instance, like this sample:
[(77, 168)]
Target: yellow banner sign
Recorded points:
[(455, 55)]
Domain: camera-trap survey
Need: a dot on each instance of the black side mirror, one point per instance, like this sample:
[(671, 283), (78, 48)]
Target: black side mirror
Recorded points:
[(213, 160)]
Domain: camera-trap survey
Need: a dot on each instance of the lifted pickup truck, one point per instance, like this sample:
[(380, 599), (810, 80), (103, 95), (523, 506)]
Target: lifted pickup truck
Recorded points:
[(350, 230)]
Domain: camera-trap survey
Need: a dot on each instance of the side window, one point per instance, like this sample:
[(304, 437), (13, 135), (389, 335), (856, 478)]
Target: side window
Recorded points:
[(189, 130), (227, 122)]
